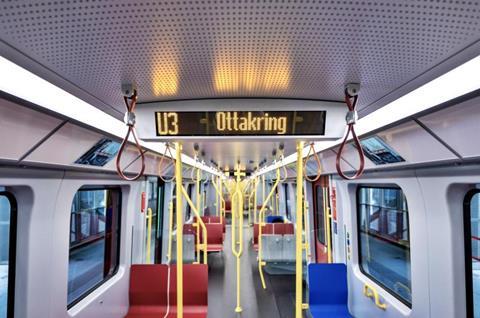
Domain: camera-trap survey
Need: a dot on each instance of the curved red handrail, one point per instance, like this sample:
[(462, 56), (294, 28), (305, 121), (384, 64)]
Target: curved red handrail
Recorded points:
[(352, 105), (130, 122)]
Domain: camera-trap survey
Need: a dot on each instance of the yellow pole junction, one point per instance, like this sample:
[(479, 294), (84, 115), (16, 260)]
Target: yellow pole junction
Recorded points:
[(202, 225), (149, 234), (179, 216), (261, 224), (326, 212), (299, 306), (237, 222)]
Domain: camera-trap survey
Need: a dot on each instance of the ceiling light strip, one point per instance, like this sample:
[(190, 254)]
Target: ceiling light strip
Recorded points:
[(455, 83), (30, 87)]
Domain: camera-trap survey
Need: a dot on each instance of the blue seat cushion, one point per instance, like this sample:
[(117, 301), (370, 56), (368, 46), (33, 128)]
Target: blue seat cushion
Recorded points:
[(328, 290), (329, 311)]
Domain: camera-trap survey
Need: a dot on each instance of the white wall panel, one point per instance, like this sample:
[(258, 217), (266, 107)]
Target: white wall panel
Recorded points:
[(65, 146), (21, 128), (410, 141), (458, 127)]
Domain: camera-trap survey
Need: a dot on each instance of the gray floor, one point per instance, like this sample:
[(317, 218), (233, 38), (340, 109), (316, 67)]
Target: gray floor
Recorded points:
[(277, 301)]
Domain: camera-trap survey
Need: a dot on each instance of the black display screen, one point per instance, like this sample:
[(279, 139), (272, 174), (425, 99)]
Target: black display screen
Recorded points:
[(240, 123)]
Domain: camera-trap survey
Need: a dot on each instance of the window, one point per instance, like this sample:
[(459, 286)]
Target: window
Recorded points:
[(94, 240), (472, 252), (319, 198), (379, 152), (155, 202), (8, 227), (287, 202), (100, 154), (383, 236)]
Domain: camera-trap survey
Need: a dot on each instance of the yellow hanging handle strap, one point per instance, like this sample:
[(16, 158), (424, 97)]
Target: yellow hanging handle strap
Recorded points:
[(311, 153), (202, 225), (261, 224), (172, 161)]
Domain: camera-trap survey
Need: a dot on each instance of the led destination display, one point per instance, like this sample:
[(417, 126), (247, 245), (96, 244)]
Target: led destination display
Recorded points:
[(240, 123)]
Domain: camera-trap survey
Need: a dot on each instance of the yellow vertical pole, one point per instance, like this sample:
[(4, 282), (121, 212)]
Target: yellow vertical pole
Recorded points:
[(149, 234), (326, 210), (298, 235), (255, 203), (217, 197), (198, 192), (264, 187), (237, 225), (179, 209)]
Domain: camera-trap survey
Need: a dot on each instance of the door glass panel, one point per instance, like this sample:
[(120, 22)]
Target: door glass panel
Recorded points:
[(6, 287), (384, 240), (320, 215), (474, 218)]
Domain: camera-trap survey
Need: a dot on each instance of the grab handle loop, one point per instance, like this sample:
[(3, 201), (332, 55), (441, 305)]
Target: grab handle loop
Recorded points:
[(351, 119), (312, 152), (167, 148), (130, 103)]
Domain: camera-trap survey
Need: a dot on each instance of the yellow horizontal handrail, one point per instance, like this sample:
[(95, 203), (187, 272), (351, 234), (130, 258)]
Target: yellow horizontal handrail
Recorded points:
[(371, 292), (202, 224)]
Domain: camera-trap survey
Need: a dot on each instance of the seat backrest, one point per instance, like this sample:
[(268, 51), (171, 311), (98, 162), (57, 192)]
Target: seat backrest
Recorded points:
[(288, 228), (289, 248), (275, 219), (189, 229), (195, 285), (214, 233), (148, 285), (327, 284), (272, 246), (188, 248)]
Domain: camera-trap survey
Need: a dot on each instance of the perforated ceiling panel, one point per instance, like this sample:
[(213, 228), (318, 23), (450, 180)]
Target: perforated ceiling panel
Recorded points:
[(214, 48)]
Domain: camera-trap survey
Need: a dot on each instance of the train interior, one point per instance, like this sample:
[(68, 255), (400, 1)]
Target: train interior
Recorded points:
[(237, 158)]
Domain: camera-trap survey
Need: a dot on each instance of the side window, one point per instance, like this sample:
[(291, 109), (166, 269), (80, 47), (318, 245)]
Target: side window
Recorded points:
[(472, 252), (8, 227), (319, 199), (94, 240), (384, 239)]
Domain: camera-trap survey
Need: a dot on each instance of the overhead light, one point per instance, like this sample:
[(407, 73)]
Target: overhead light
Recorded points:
[(30, 87), (455, 83)]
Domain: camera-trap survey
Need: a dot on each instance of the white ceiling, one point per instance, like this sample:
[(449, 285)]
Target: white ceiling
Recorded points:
[(209, 49)]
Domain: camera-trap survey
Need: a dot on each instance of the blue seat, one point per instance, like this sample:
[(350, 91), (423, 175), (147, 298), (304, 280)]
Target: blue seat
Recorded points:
[(328, 290), (275, 219)]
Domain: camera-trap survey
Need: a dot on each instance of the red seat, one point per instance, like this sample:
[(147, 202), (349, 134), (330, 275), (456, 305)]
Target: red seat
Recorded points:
[(214, 237), (148, 291), (228, 206)]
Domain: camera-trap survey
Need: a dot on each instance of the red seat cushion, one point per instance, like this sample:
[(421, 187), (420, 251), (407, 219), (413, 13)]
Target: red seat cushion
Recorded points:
[(214, 237), (148, 291)]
